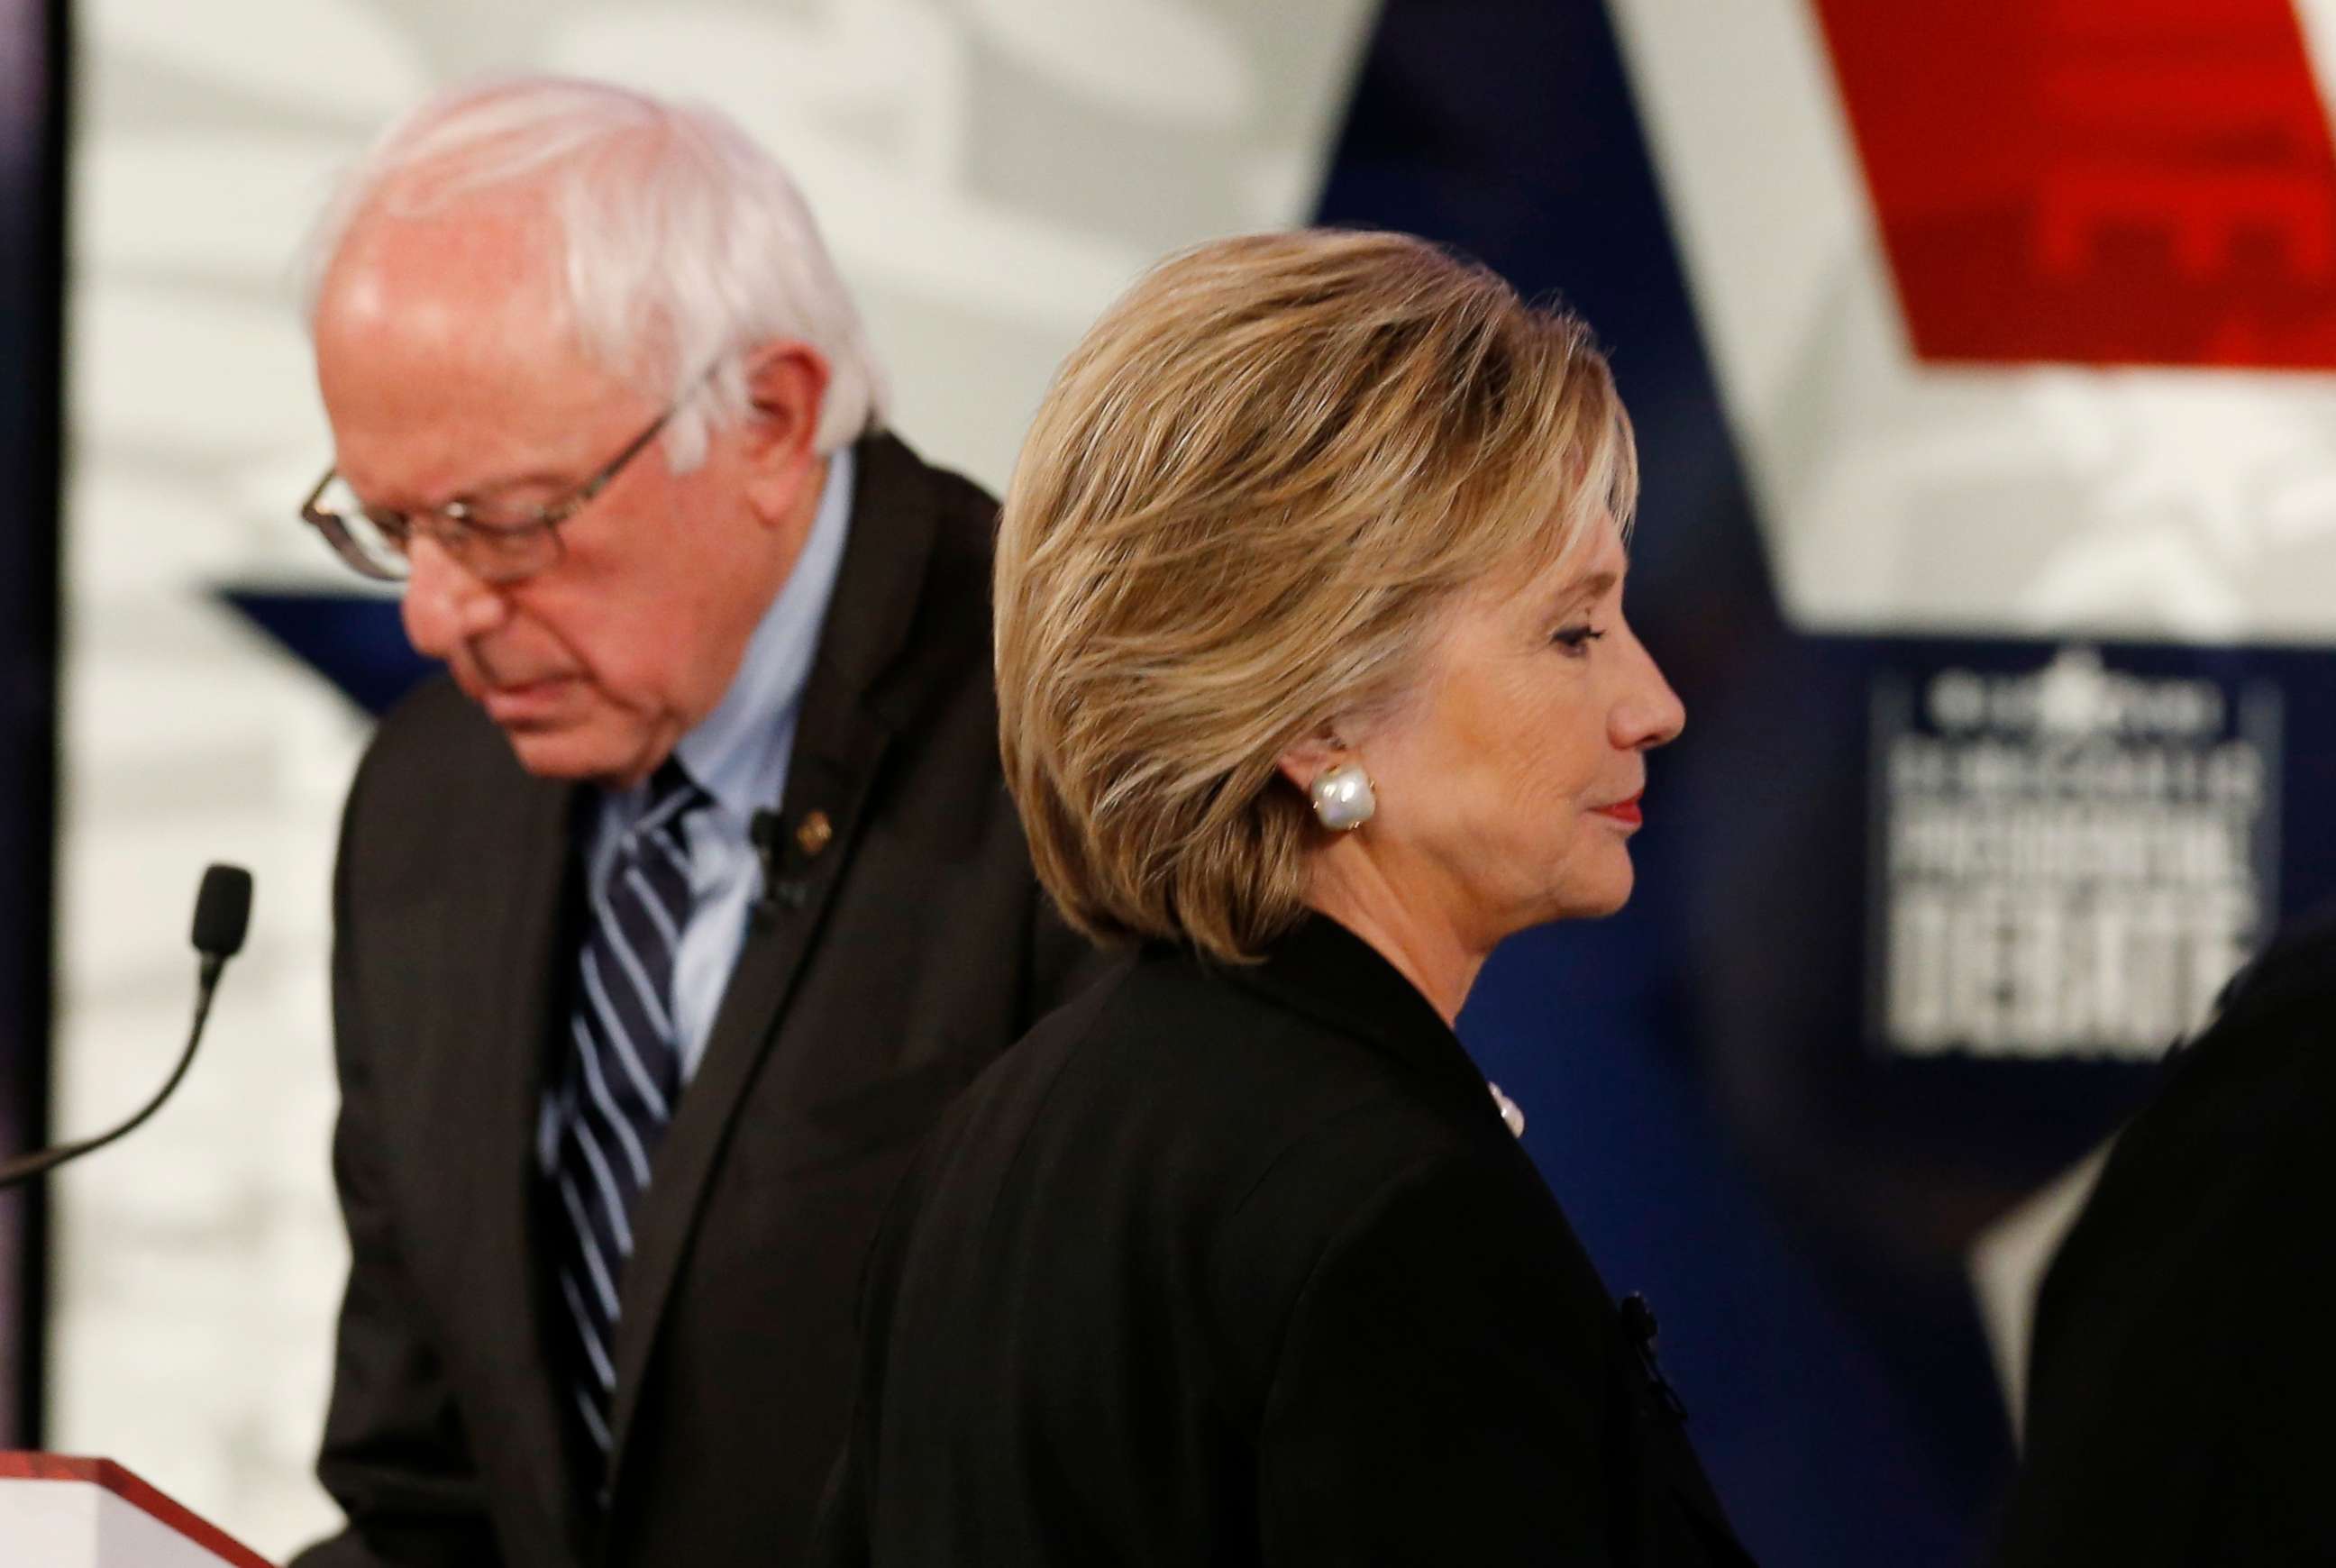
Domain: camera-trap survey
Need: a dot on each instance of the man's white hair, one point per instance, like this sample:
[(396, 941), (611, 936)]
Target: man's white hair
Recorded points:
[(680, 241)]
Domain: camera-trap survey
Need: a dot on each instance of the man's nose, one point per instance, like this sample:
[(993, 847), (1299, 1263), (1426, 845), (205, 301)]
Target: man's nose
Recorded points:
[(1651, 713), (446, 605)]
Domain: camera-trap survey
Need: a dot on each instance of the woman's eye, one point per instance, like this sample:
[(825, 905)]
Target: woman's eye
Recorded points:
[(1575, 639)]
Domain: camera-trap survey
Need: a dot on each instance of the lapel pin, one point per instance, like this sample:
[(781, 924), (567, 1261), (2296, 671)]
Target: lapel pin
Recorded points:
[(1512, 1114), (813, 834)]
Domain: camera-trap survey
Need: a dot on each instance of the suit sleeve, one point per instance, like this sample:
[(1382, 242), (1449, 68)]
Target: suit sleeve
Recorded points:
[(394, 1456), (1436, 1398)]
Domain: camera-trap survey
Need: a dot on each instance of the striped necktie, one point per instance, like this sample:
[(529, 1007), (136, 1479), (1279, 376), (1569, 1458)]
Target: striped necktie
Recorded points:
[(603, 1123)]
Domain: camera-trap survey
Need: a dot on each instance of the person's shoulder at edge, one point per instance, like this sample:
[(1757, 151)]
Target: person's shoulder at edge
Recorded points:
[(2271, 1017), (2238, 1110), (2298, 964)]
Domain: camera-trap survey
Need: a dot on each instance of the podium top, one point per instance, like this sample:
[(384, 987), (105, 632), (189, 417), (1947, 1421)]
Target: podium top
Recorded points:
[(109, 1477)]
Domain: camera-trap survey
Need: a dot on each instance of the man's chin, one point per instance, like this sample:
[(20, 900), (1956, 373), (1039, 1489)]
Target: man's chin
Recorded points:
[(574, 754)]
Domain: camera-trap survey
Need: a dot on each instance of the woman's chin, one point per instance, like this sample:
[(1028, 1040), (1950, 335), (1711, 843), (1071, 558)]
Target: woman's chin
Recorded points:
[(1569, 903), (1595, 898)]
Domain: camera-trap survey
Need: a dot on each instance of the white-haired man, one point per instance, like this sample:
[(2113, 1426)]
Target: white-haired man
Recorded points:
[(666, 924)]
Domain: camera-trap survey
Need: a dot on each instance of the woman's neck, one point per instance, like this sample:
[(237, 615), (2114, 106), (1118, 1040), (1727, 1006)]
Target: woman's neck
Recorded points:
[(1408, 931)]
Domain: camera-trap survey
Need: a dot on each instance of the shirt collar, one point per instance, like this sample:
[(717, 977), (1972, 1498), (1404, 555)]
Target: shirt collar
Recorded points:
[(738, 750)]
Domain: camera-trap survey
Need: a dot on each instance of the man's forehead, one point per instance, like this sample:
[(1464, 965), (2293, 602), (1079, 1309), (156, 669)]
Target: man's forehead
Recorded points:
[(445, 272), (437, 307), (443, 373)]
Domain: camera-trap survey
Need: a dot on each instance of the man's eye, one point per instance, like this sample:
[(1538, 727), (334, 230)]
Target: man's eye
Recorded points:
[(393, 526), (501, 517)]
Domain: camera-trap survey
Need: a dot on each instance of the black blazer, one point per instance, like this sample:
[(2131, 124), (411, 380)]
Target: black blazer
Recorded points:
[(2183, 1384), (1242, 1266), (904, 955)]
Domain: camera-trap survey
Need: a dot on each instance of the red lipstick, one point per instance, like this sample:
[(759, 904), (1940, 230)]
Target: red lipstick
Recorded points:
[(1622, 810)]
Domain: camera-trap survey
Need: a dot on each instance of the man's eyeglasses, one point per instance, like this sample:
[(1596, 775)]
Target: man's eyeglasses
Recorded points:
[(499, 545)]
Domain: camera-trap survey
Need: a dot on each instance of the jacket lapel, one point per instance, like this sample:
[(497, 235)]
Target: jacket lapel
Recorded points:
[(841, 741), (494, 1093)]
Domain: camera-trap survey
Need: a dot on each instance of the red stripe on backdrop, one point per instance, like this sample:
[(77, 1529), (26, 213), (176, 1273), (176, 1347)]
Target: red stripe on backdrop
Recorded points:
[(2096, 181)]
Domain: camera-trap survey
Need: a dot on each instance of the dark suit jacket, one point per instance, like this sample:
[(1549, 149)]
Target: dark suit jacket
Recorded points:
[(1240, 1266), (2182, 1403), (904, 955)]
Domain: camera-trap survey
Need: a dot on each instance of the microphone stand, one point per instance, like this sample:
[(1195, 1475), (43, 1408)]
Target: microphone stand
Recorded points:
[(222, 913)]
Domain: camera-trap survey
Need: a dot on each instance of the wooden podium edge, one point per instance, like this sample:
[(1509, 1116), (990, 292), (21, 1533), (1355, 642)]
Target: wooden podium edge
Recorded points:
[(140, 1495)]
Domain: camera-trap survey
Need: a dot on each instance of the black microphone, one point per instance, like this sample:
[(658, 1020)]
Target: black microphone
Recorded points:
[(762, 829), (222, 914)]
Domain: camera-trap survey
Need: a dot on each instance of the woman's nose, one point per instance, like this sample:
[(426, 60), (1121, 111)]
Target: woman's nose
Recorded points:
[(1651, 713)]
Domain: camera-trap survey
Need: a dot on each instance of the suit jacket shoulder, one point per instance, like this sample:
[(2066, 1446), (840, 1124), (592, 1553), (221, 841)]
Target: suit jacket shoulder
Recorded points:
[(2181, 1368), (1249, 1263)]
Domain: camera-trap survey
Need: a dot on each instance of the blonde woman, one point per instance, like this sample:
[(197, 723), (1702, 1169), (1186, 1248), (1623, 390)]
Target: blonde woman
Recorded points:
[(1314, 684)]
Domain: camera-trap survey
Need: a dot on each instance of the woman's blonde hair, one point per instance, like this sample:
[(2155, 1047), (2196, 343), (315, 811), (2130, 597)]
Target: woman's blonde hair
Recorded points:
[(1245, 500)]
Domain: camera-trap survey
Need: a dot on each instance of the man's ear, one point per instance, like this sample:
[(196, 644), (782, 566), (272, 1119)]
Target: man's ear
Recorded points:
[(786, 388)]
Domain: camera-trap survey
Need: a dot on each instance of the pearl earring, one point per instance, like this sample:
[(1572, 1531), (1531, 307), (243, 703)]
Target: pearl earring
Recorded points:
[(1343, 798)]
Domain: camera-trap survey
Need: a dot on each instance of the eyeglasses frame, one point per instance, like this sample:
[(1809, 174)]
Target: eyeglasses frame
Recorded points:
[(445, 525)]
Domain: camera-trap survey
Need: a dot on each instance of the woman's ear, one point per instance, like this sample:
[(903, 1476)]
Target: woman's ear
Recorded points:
[(787, 387), (1303, 762)]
